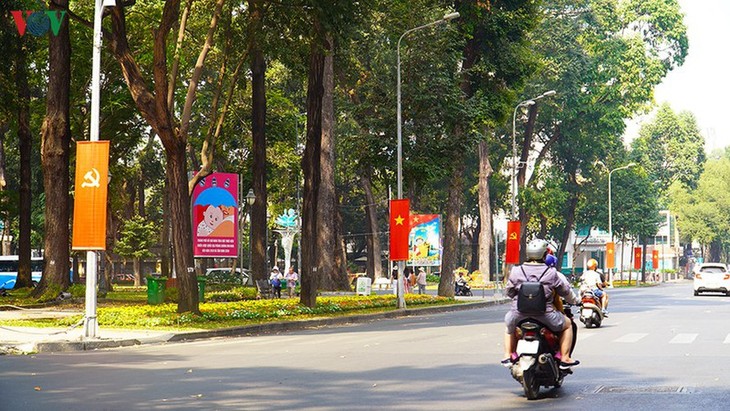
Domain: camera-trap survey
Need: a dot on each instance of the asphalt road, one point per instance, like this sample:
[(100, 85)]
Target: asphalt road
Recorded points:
[(661, 348)]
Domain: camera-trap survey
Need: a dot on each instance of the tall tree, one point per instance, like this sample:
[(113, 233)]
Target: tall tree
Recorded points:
[(156, 109), (55, 141)]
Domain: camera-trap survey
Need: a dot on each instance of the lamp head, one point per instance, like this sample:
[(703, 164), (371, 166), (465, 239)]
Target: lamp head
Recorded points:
[(549, 93), (250, 197), (451, 16)]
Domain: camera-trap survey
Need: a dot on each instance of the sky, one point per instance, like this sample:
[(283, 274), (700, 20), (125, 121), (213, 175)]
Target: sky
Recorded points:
[(702, 84)]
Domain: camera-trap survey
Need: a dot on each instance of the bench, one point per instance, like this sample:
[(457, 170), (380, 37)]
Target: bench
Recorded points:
[(265, 290), (382, 282)]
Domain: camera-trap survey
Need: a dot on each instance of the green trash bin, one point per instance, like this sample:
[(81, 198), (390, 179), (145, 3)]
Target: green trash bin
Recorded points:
[(201, 288), (156, 290)]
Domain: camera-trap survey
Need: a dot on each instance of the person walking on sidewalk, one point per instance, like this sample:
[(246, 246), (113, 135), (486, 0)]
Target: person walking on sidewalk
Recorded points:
[(421, 281), (291, 281)]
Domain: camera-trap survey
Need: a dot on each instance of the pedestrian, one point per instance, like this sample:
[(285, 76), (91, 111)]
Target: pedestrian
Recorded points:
[(421, 281), (407, 278), (275, 279), (394, 280), (291, 281)]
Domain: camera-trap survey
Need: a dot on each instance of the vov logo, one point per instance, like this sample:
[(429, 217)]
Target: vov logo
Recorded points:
[(38, 22)]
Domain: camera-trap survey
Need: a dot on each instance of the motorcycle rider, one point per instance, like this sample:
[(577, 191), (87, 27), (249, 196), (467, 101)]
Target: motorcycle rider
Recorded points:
[(591, 280), (553, 283), (460, 284)]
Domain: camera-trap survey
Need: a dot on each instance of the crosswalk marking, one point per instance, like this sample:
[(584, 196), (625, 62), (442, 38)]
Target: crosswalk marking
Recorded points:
[(583, 336), (631, 338), (727, 339), (683, 339)]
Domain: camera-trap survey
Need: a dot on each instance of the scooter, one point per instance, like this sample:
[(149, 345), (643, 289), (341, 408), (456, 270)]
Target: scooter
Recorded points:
[(538, 356), (590, 313)]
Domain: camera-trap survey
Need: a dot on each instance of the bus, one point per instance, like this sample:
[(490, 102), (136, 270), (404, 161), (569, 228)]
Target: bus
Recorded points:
[(9, 270)]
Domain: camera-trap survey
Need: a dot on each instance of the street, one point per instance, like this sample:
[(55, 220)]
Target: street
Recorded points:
[(661, 348)]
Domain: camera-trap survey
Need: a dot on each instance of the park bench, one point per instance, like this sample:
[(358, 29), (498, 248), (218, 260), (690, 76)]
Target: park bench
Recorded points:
[(265, 290)]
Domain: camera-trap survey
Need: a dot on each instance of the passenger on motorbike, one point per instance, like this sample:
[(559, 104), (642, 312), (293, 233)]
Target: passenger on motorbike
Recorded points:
[(591, 280), (460, 283), (553, 284)]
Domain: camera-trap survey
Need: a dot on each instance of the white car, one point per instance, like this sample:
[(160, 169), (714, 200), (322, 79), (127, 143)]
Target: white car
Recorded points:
[(712, 277)]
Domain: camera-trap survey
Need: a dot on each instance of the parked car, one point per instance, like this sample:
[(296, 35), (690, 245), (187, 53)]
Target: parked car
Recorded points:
[(711, 277), (225, 276)]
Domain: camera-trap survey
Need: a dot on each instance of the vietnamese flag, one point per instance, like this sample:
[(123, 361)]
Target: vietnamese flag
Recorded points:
[(610, 254), (513, 243), (655, 259), (637, 258), (400, 228)]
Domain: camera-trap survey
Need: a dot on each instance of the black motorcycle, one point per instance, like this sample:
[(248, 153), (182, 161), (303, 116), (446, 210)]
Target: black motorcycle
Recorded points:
[(463, 289), (537, 348)]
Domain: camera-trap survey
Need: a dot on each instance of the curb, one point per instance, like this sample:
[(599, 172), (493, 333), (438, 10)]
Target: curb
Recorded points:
[(248, 330)]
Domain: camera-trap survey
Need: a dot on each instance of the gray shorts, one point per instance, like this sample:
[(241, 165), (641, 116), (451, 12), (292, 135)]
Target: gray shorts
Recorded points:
[(554, 320)]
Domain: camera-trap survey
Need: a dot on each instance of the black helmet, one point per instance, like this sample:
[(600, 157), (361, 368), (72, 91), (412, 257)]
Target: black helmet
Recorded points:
[(536, 249)]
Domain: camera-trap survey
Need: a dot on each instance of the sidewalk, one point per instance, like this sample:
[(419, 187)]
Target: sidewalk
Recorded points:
[(28, 340)]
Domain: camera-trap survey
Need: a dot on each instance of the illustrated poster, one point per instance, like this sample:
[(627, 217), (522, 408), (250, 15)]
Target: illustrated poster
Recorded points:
[(215, 216)]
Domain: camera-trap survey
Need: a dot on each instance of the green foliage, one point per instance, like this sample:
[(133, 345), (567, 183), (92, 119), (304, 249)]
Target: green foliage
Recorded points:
[(137, 237), (433, 279), (233, 294), (172, 295), (77, 290), (671, 148)]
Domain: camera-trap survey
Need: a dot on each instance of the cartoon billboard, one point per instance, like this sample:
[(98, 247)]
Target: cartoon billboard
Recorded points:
[(424, 241), (215, 216)]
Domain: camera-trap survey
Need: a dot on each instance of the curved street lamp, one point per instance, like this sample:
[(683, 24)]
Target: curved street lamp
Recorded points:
[(448, 17)]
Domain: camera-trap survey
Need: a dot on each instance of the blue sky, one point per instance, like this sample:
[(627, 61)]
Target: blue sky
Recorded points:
[(702, 84)]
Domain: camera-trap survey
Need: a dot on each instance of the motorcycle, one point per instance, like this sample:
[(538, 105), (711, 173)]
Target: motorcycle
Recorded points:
[(590, 313), (463, 290), (538, 358)]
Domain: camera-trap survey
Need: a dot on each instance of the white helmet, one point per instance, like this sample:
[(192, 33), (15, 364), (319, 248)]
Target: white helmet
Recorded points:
[(536, 249)]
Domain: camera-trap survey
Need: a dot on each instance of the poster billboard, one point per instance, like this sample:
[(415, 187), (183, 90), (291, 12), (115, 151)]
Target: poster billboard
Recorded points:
[(424, 240), (92, 179), (215, 216)]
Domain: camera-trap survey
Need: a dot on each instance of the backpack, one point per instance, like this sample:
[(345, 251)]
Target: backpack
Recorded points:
[(531, 296), (276, 282)]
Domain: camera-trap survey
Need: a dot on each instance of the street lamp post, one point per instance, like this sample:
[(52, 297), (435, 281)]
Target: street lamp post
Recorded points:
[(526, 103), (250, 199), (610, 215), (401, 264)]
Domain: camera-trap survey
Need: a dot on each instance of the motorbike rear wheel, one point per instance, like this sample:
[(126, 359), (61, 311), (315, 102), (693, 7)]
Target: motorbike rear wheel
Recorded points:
[(530, 384)]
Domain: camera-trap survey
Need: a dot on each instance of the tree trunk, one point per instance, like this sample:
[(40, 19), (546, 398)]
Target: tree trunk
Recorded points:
[(259, 267), (55, 140), (182, 241), (374, 264), (568, 227), (485, 210), (311, 163), (25, 141), (716, 250), (451, 231), (330, 277), (137, 272)]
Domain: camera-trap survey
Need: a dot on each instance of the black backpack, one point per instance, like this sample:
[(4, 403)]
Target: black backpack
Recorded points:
[(531, 296)]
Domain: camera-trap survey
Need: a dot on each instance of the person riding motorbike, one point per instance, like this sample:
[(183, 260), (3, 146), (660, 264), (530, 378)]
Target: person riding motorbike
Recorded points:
[(460, 283), (553, 283), (591, 280)]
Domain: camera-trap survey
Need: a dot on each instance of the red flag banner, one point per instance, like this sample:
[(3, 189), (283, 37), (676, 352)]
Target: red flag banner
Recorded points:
[(655, 259), (513, 243), (400, 228), (637, 258), (610, 255), (92, 179)]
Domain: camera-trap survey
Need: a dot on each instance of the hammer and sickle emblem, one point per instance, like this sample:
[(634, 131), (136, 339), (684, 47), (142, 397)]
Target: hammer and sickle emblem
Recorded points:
[(513, 236), (91, 178)]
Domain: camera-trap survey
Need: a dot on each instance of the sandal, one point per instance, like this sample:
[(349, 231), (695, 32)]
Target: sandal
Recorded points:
[(565, 365)]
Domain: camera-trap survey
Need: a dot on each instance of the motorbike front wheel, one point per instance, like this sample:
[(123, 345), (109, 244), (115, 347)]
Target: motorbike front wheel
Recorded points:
[(530, 384)]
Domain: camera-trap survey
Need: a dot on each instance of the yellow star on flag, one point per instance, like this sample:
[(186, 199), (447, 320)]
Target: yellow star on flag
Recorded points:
[(399, 220)]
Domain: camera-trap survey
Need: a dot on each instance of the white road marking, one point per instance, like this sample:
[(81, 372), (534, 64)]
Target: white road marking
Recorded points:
[(727, 339), (683, 339), (631, 338), (583, 336)]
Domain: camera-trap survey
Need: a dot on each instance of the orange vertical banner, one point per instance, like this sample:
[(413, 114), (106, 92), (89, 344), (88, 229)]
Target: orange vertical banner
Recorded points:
[(655, 259), (513, 243), (92, 178), (637, 258), (400, 228), (610, 255)]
